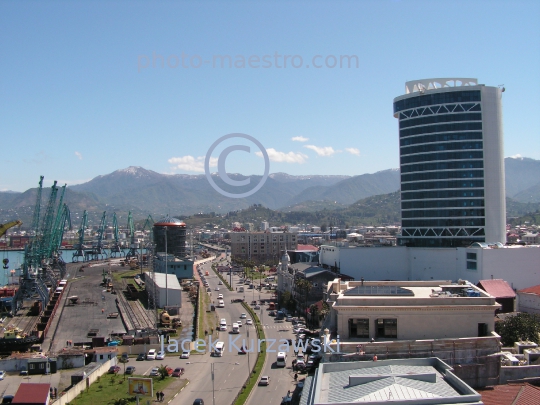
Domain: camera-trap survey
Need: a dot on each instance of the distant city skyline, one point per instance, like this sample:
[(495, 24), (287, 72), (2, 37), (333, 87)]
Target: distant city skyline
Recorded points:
[(90, 88)]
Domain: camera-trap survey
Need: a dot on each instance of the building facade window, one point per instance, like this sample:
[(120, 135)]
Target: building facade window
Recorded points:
[(386, 328), (358, 328)]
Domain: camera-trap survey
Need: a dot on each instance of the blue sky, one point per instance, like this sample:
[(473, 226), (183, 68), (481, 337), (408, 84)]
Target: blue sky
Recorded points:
[(89, 87)]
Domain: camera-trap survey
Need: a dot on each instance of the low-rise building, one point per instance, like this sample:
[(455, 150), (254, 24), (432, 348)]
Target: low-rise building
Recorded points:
[(529, 300), (501, 290), (32, 394), (408, 310), (164, 289), (182, 268)]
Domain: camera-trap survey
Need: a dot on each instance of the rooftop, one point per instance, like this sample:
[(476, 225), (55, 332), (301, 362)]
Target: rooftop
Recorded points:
[(406, 380)]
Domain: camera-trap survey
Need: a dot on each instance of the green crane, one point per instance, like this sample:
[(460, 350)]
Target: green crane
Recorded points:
[(31, 250), (98, 253), (132, 245), (79, 247), (46, 230), (115, 248)]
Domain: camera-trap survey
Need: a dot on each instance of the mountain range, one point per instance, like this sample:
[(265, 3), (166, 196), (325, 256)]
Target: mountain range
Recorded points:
[(146, 192)]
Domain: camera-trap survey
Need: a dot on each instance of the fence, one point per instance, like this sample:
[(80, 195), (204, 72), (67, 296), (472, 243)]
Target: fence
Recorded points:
[(76, 389)]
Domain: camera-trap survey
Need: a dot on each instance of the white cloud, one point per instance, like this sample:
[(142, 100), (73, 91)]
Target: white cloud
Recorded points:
[(79, 155), (353, 151), (299, 139), (290, 157), (322, 150), (190, 163), (516, 156)]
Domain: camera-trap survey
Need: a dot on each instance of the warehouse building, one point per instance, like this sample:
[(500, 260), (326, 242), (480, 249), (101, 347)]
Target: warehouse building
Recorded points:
[(165, 289)]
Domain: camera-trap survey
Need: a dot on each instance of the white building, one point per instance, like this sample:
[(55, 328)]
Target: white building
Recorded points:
[(529, 300), (409, 310), (264, 225), (451, 162), (166, 289), (518, 265)]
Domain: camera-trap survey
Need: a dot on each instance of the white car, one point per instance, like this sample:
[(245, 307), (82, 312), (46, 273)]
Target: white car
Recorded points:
[(2, 374), (184, 355), (243, 316), (220, 282), (239, 322), (217, 288), (220, 296), (154, 372), (151, 354), (265, 380), (160, 355), (249, 322)]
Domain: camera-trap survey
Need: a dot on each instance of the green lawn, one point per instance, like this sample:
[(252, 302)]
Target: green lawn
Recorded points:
[(110, 387)]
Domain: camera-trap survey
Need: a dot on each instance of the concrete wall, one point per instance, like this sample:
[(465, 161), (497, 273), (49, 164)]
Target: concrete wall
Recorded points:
[(80, 386), (509, 373)]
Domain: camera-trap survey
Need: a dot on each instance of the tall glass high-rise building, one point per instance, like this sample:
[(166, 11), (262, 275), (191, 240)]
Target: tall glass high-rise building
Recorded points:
[(452, 163)]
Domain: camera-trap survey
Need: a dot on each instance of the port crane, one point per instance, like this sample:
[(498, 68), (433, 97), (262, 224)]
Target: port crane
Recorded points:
[(63, 218), (132, 253), (98, 253), (3, 229), (115, 248), (79, 247)]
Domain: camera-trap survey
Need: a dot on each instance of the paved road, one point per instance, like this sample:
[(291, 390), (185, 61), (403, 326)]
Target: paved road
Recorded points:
[(231, 370)]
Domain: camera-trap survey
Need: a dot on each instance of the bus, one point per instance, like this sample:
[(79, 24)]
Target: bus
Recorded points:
[(219, 349), (281, 360)]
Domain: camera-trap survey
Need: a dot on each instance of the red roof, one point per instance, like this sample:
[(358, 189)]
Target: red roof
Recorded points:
[(531, 290), (511, 394), (498, 288), (306, 247), (32, 394)]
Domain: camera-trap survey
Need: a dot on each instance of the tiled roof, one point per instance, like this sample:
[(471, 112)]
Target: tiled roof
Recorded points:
[(306, 247), (498, 288), (531, 290), (30, 393), (511, 394)]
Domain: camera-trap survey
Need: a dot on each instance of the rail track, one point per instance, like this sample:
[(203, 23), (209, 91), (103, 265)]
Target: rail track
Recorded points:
[(135, 312)]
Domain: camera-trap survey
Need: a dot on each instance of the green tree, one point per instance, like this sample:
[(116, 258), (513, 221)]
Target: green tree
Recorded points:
[(163, 372), (522, 326)]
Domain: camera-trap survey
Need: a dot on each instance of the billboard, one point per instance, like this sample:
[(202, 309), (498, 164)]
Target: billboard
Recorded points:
[(140, 386)]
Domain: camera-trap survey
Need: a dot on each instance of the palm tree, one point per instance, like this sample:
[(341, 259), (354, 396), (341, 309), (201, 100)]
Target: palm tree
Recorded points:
[(163, 372)]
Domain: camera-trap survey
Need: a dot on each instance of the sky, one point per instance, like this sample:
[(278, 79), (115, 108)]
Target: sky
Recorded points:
[(90, 87)]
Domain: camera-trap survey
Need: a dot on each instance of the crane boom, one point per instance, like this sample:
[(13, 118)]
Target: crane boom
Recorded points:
[(4, 227)]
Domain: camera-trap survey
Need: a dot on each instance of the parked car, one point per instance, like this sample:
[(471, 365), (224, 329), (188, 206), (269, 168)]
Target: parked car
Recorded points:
[(130, 370), (160, 355), (23, 372), (124, 357), (151, 354), (184, 355), (113, 369), (141, 356), (265, 380), (7, 399), (178, 371), (154, 372)]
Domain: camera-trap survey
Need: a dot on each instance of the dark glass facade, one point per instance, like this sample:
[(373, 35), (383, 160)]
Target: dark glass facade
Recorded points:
[(442, 169)]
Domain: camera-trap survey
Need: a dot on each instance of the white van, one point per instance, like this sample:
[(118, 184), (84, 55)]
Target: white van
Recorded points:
[(281, 360), (219, 349), (221, 304), (223, 325), (235, 328)]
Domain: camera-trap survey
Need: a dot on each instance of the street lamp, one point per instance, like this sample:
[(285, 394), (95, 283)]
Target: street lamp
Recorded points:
[(166, 270)]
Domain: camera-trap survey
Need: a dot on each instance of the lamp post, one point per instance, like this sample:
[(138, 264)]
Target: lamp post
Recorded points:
[(166, 271)]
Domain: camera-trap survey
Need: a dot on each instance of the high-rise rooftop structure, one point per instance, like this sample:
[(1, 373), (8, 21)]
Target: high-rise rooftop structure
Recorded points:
[(452, 163)]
